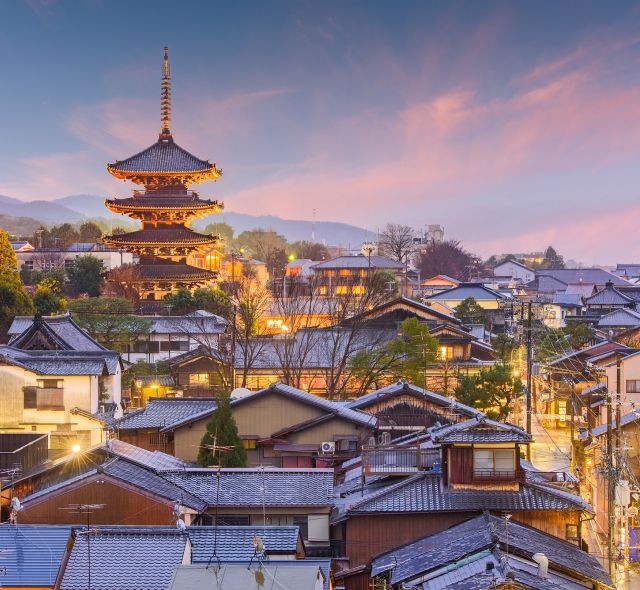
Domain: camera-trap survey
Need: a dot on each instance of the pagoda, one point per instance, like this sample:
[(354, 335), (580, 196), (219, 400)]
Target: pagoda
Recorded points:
[(165, 207)]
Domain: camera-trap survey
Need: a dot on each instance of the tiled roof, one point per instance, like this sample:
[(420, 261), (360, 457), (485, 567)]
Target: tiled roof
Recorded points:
[(401, 387), (625, 419), (62, 326), (155, 460), (158, 201), (576, 276), (481, 430), (424, 493), (235, 543), (244, 487), (338, 409), (173, 271), (608, 296), (358, 262), (175, 236), (162, 156), (465, 290), (126, 559), (486, 532), (31, 554), (619, 318), (167, 413), (56, 362)]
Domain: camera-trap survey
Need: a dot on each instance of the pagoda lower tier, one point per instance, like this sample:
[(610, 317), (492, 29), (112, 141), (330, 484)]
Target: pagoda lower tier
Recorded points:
[(156, 277)]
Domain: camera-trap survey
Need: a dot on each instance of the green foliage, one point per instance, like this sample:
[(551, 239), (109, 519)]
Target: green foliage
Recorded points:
[(90, 232), (265, 245), (222, 431), (573, 336), (578, 333), (471, 312), (13, 298), (492, 390), (211, 299), (220, 228), (85, 276), (504, 345), (47, 299), (415, 350), (309, 250), (61, 236), (110, 320), (552, 259)]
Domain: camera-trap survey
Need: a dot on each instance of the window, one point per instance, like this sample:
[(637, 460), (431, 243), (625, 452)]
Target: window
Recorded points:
[(49, 383), (571, 532), (357, 289), (303, 523), (249, 443), (347, 444), (30, 397), (199, 379), (28, 264), (158, 439), (224, 520), (289, 461), (341, 290), (633, 385), (69, 263), (562, 410), (322, 290), (494, 463), (344, 272)]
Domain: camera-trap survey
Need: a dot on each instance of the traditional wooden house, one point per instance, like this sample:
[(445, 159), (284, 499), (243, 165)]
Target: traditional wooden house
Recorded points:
[(479, 470), (489, 552)]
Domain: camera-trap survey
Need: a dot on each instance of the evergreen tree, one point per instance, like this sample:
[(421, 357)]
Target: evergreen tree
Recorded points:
[(85, 276), (90, 232), (552, 259), (222, 431), (471, 312), (13, 298)]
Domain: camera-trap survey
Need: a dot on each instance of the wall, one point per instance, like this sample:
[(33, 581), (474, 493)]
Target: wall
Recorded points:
[(327, 431), (122, 505), (186, 441)]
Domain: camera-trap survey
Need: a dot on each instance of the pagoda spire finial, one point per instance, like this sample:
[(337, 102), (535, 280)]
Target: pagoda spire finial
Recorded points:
[(165, 96)]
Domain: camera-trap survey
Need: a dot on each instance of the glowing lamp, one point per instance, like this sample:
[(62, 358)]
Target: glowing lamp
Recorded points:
[(75, 448)]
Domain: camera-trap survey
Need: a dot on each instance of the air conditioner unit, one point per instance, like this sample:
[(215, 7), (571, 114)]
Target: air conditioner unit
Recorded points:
[(328, 448)]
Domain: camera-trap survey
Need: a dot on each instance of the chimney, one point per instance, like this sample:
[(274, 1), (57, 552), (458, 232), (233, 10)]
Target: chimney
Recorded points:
[(543, 564)]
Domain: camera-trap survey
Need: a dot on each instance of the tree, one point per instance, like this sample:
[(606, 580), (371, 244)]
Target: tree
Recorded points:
[(396, 242), (62, 236), (220, 228), (213, 300), (47, 297), (448, 258), (90, 232), (578, 333), (552, 259), (309, 250), (181, 302), (110, 320), (416, 349), (85, 276), (504, 345), (222, 431), (13, 298), (492, 390), (122, 281), (266, 245), (471, 312)]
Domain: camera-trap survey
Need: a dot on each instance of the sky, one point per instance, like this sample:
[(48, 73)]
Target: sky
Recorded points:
[(515, 125)]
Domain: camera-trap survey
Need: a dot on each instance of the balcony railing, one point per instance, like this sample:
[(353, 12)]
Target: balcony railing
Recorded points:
[(50, 398), (398, 460), (487, 475)]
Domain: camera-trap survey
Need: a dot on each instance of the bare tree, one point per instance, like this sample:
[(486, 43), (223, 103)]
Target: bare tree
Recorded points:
[(123, 281), (396, 242)]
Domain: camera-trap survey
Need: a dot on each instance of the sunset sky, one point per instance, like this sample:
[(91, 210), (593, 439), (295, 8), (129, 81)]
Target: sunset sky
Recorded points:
[(514, 124)]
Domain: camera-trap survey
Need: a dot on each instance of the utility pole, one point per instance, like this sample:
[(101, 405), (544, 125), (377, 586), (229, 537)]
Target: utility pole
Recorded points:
[(611, 491), (572, 398), (529, 369)]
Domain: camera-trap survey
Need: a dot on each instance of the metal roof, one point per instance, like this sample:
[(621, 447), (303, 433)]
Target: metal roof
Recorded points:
[(235, 543), (258, 486), (625, 419), (620, 317), (31, 553), (465, 290), (155, 460), (124, 558), (167, 413)]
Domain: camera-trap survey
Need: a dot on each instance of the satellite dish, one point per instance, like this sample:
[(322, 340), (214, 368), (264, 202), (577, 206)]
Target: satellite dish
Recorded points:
[(240, 392)]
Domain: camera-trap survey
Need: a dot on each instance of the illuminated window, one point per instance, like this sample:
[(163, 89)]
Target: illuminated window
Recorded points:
[(199, 379), (357, 289), (345, 272), (341, 290), (249, 443), (322, 290), (562, 410)]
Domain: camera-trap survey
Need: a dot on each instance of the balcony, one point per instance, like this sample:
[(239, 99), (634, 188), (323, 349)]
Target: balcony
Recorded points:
[(498, 475), (398, 460)]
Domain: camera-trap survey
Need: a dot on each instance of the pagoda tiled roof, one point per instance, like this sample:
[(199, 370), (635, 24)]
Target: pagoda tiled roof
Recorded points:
[(164, 157), (174, 272), (177, 235), (164, 201)]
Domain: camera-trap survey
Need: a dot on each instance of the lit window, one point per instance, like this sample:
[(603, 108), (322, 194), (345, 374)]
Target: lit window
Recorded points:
[(341, 290), (322, 290), (344, 272), (199, 379), (357, 289), (249, 443)]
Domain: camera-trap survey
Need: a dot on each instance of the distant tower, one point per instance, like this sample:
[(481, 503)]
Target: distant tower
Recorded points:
[(165, 207), (435, 233)]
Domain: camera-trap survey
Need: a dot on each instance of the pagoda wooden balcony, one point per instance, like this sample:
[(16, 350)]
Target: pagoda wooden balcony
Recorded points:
[(398, 460)]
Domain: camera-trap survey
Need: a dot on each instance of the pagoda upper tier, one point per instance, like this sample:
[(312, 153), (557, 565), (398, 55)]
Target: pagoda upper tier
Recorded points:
[(164, 164)]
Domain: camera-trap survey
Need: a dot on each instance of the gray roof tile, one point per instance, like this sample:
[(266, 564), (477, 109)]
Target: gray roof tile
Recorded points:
[(244, 487), (167, 413), (376, 262), (465, 290), (235, 543), (162, 156), (480, 429), (57, 362), (126, 559)]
